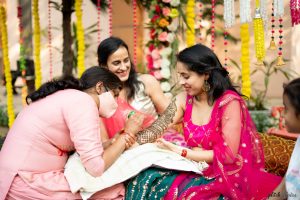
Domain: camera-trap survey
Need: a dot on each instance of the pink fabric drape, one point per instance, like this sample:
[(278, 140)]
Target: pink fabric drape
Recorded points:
[(238, 163)]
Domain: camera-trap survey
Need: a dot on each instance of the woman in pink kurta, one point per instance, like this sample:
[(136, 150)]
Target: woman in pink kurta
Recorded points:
[(62, 120)]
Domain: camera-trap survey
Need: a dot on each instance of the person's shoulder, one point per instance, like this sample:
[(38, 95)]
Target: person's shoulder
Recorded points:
[(228, 97), (75, 95)]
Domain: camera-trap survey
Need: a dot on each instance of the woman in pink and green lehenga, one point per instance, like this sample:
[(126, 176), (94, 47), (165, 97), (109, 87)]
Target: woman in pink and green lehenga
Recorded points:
[(218, 131), (141, 92)]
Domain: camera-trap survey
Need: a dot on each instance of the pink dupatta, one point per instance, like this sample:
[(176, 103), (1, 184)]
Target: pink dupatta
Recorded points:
[(238, 163)]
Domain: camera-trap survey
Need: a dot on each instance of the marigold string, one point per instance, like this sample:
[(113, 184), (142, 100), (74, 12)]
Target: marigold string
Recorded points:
[(6, 64)]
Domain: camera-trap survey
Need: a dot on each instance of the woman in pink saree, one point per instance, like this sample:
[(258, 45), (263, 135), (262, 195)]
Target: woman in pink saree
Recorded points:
[(218, 131)]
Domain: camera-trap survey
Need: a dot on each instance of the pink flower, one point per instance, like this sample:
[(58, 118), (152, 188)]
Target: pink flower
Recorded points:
[(150, 62), (166, 1), (157, 74), (155, 54), (163, 36), (152, 33), (151, 47), (157, 9), (154, 18), (166, 11)]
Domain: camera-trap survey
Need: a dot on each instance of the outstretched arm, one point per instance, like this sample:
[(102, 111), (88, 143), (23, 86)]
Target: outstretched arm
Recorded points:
[(170, 116)]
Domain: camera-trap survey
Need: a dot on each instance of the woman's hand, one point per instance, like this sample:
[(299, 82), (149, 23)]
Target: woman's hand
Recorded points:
[(163, 144), (134, 124)]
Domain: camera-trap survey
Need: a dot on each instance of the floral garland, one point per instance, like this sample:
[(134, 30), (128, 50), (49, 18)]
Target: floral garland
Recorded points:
[(190, 19), (295, 11), (259, 39), (135, 24), (50, 41), (245, 60), (80, 38), (9, 90), (22, 57), (163, 44), (37, 43), (98, 21)]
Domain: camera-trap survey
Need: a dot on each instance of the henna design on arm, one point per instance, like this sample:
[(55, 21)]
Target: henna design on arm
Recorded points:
[(154, 131)]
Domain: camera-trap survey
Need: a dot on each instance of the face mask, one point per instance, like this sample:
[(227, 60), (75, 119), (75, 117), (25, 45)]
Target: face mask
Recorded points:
[(108, 105)]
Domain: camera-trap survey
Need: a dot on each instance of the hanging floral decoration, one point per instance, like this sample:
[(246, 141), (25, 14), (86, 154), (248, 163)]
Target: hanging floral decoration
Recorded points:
[(190, 19), (22, 57), (263, 6), (6, 63), (98, 21), (163, 44), (229, 13), (245, 60), (50, 41), (272, 42), (110, 17), (259, 38), (80, 37), (135, 23), (278, 13), (245, 11), (213, 13), (295, 11), (225, 49), (280, 61), (37, 43), (199, 20)]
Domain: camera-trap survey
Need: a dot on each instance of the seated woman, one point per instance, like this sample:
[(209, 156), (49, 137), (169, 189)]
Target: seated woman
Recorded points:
[(140, 93), (62, 117), (219, 133)]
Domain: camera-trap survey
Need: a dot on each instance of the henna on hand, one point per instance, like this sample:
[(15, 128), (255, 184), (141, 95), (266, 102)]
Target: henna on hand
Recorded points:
[(154, 131)]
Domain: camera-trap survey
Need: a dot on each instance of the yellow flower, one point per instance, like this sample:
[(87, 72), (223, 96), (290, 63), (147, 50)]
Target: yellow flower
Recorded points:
[(174, 13), (37, 44), (6, 64), (80, 38)]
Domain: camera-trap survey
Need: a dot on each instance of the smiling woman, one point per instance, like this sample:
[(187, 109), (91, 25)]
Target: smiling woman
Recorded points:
[(219, 133), (141, 92)]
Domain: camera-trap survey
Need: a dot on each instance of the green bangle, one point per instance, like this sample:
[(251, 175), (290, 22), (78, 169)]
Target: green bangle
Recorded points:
[(130, 114)]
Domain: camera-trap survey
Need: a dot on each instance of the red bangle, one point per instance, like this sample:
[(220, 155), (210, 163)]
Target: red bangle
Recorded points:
[(183, 152)]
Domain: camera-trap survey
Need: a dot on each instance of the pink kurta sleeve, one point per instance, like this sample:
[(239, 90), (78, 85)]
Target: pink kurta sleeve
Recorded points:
[(82, 118)]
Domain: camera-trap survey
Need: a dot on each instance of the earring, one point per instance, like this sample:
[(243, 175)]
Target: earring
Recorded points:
[(206, 86)]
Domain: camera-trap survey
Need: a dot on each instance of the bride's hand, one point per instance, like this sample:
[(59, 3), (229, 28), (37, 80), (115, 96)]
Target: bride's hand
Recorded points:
[(163, 144)]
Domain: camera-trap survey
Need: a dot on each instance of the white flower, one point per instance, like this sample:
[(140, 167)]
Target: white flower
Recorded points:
[(165, 86), (165, 52), (174, 25), (165, 63), (157, 63), (175, 3), (165, 73), (170, 37)]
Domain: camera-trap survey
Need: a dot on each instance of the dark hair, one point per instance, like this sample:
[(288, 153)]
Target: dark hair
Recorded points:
[(292, 91), (105, 49), (203, 60), (88, 79)]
